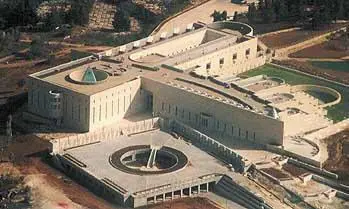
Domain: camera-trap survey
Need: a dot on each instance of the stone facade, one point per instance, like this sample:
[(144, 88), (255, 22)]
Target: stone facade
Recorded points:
[(128, 91)]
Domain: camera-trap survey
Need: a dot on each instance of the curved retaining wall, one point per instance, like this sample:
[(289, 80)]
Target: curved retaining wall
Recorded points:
[(243, 28), (321, 89), (157, 29), (216, 91)]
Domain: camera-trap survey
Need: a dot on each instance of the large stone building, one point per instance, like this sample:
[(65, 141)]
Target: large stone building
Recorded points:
[(159, 75), (110, 106)]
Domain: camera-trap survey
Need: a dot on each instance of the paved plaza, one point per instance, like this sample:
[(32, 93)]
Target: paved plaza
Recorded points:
[(96, 159)]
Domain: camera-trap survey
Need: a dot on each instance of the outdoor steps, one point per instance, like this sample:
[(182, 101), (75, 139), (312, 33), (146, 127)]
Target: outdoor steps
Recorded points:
[(227, 188), (151, 160)]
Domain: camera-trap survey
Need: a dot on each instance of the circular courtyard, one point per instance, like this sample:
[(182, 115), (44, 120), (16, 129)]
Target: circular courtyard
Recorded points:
[(148, 160)]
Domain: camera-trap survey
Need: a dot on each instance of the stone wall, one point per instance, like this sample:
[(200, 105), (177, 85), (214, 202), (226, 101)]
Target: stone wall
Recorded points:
[(213, 116), (106, 133), (75, 106), (281, 151), (314, 169), (111, 105), (231, 65), (211, 146)]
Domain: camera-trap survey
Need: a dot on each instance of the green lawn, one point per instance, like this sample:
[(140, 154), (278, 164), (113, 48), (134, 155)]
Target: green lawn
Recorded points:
[(342, 66), (337, 112)]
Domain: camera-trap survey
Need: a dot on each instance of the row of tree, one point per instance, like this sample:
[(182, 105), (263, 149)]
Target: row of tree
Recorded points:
[(309, 12), (23, 12)]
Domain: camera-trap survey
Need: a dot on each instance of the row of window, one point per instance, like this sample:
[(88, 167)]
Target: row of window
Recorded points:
[(113, 109), (221, 60), (204, 121)]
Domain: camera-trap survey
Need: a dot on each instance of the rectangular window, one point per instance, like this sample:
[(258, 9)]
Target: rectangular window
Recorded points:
[(100, 112), (235, 56), (79, 114), (93, 114), (86, 116), (112, 108), (208, 66), (246, 134), (162, 106), (189, 115), (44, 100), (204, 122), (124, 103), (239, 131), (65, 106), (176, 111), (254, 135), (221, 61), (217, 124), (106, 110), (232, 130), (38, 99), (196, 118), (130, 101), (118, 105), (32, 97), (247, 52), (169, 108)]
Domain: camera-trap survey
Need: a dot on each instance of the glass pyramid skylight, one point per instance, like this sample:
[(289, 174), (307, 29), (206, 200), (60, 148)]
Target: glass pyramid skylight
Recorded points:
[(89, 76)]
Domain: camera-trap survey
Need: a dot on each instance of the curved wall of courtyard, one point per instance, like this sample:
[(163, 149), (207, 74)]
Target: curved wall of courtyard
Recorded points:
[(321, 89)]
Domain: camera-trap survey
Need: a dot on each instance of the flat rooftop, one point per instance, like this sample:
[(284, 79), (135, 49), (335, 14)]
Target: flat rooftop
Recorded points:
[(202, 39), (97, 164), (62, 78)]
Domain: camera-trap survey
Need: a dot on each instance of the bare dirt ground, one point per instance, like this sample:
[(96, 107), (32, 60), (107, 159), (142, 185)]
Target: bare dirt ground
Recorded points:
[(294, 170), (279, 174), (50, 189), (187, 203), (16, 70), (285, 39), (319, 51), (337, 162), (305, 66)]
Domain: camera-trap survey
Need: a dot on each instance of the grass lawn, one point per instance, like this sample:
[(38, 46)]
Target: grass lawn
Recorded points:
[(341, 66), (336, 113)]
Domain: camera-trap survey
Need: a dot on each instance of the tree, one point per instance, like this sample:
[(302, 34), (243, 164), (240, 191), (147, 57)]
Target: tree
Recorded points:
[(121, 21), (224, 15), (316, 19), (219, 16), (80, 10), (38, 48), (252, 12), (261, 4), (268, 15), (216, 16), (54, 19), (235, 18)]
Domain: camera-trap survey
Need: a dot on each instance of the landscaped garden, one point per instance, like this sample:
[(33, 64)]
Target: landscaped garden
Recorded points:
[(336, 113), (341, 66)]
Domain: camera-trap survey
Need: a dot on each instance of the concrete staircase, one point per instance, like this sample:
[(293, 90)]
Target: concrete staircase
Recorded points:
[(102, 15), (152, 157), (227, 188)]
